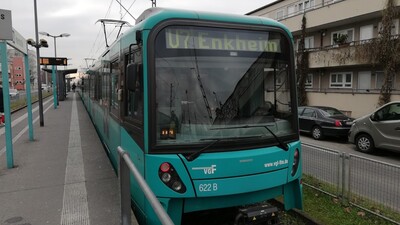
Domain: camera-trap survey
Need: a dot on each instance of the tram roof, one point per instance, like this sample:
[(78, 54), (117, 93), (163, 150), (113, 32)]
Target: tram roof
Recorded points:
[(152, 16)]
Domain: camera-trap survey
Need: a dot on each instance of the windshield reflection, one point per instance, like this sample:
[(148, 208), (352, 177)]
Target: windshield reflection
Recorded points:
[(198, 94)]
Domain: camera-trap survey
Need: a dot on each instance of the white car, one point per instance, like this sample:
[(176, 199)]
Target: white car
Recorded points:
[(46, 88), (13, 93)]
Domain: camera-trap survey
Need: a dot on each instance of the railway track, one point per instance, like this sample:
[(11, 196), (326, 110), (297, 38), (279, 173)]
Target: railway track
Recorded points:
[(293, 216)]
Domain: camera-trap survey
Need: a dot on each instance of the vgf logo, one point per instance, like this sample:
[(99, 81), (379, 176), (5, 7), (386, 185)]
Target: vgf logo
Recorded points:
[(207, 170)]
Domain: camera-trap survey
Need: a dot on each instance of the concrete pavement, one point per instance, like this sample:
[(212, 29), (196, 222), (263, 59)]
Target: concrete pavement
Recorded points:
[(63, 176)]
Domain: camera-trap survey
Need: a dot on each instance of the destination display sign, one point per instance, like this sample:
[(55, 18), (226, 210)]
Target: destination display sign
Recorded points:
[(53, 61), (217, 39)]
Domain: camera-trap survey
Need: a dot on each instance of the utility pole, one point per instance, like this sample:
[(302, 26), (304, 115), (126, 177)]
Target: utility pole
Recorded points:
[(39, 75)]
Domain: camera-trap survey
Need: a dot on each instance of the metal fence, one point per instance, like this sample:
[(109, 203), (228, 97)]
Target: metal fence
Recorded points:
[(126, 167), (365, 183)]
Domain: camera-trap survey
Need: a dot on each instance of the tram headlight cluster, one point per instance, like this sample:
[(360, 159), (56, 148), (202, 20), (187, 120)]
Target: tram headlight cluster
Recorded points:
[(296, 161), (170, 177)]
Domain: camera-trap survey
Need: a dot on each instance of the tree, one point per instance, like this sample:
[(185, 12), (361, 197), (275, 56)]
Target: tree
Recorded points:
[(388, 51), (383, 51), (302, 66)]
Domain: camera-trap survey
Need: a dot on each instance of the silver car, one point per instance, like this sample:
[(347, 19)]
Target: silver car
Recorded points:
[(381, 129)]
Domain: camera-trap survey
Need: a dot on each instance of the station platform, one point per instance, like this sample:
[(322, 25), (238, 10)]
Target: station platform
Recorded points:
[(63, 176)]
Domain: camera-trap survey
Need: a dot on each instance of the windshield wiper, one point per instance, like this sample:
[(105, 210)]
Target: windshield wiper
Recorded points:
[(282, 145), (196, 154)]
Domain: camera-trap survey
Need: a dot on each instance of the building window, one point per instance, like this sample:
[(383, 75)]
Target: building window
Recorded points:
[(348, 32), (341, 80), (308, 4), (309, 81), (308, 43), (332, 1), (280, 14), (395, 27), (304, 5), (291, 10), (380, 79)]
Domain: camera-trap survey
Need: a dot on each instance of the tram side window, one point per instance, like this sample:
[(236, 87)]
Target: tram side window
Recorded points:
[(97, 90), (105, 85), (91, 84), (114, 85)]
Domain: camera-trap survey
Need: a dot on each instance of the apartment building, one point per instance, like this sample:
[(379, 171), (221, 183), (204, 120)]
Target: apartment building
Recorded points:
[(17, 76), (337, 76)]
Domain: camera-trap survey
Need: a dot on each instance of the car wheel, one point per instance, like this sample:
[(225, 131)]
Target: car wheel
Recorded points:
[(365, 143), (316, 133)]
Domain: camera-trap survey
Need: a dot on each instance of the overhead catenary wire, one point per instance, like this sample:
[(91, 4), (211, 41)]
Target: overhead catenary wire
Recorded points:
[(98, 44), (125, 9), (93, 53)]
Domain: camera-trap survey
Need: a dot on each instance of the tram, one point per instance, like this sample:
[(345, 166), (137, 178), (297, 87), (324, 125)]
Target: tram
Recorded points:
[(206, 105)]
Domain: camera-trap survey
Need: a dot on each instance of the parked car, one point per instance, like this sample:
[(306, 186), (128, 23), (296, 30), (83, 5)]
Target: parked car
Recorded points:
[(14, 93), (323, 121), (45, 87), (380, 129)]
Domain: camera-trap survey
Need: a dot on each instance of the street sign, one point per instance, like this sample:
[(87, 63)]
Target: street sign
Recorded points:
[(5, 25), (53, 61)]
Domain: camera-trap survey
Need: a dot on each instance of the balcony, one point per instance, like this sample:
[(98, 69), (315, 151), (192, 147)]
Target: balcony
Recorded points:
[(334, 56), (340, 55), (326, 14)]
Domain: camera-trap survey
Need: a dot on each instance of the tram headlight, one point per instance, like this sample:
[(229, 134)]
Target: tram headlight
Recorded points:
[(166, 177), (177, 186)]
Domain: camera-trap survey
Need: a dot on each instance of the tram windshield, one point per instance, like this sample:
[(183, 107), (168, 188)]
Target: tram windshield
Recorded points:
[(214, 83)]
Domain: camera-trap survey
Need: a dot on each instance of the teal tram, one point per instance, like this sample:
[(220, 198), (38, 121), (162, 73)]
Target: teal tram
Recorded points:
[(206, 106)]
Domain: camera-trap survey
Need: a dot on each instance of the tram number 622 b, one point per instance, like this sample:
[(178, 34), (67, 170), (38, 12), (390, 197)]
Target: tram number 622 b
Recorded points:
[(208, 187)]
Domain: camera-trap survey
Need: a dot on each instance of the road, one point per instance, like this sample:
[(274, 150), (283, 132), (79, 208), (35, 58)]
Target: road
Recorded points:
[(348, 148)]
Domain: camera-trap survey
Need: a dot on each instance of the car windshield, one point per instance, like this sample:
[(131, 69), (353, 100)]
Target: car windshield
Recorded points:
[(207, 83)]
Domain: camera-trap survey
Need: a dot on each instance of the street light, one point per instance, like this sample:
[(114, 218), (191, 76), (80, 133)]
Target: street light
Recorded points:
[(37, 44), (55, 53), (41, 43), (55, 36)]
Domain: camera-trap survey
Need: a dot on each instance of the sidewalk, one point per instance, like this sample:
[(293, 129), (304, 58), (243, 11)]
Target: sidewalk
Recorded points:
[(63, 176)]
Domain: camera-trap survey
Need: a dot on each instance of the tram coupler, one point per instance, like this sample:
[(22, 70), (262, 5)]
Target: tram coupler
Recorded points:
[(260, 214)]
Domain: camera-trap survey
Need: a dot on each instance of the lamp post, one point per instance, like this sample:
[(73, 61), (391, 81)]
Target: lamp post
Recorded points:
[(38, 44), (55, 55)]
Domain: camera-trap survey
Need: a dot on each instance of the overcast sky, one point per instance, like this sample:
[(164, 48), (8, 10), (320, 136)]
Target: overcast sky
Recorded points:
[(78, 18)]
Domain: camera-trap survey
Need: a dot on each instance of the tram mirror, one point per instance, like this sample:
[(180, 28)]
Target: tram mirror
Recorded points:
[(131, 76), (138, 36)]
